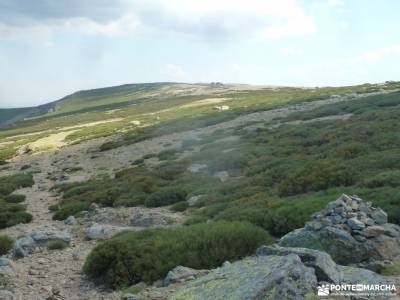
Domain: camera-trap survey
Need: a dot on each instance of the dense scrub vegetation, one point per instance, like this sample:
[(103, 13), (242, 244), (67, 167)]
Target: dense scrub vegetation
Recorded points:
[(279, 176), (11, 212), (148, 255)]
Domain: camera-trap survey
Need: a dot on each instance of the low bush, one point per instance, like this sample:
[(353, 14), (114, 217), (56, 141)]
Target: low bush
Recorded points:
[(56, 245), (388, 178), (6, 244), (166, 196), (180, 206), (14, 198), (148, 255), (69, 209), (391, 270), (12, 213), (108, 146), (315, 177), (14, 216), (8, 184)]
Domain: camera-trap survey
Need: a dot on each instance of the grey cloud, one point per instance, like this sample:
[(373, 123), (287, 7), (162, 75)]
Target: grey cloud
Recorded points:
[(24, 12)]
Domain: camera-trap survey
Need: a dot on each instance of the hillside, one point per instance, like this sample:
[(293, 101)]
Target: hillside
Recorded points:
[(116, 187)]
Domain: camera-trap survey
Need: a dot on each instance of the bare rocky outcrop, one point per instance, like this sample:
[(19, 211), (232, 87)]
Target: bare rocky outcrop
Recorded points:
[(351, 231), (258, 277), (147, 219)]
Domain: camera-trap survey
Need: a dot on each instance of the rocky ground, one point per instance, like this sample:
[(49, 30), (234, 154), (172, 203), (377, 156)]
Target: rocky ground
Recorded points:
[(57, 274)]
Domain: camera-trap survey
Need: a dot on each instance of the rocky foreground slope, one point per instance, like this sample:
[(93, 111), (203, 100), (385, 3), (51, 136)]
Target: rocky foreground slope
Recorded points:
[(350, 230)]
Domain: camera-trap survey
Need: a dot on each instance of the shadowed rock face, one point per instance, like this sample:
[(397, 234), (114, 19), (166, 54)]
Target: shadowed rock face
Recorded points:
[(351, 231)]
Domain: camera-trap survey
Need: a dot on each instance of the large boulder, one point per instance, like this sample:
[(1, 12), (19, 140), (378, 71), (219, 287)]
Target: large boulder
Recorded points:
[(259, 277), (24, 246), (278, 273), (43, 235), (351, 231), (326, 270), (101, 232), (39, 237)]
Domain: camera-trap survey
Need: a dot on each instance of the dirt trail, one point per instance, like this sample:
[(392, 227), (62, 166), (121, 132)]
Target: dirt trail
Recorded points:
[(34, 275)]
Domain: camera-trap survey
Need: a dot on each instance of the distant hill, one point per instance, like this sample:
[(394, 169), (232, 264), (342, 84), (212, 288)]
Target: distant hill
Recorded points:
[(84, 101)]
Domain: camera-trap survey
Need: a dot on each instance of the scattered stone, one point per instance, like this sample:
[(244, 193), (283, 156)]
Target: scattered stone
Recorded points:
[(24, 246), (71, 220), (196, 168), (355, 224), (4, 262), (379, 216), (96, 232), (25, 149), (221, 107), (130, 297), (194, 200), (148, 219), (5, 267), (6, 295), (373, 231), (222, 176), (181, 274)]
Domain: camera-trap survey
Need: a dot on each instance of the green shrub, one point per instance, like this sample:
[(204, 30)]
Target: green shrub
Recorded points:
[(14, 198), (316, 176), (8, 184), (167, 154), (388, 178), (12, 214), (56, 245), (391, 270), (148, 255), (6, 244), (180, 206), (108, 146), (195, 220), (70, 209), (166, 196)]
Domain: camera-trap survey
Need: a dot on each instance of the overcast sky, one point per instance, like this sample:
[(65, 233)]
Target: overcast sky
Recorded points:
[(50, 48)]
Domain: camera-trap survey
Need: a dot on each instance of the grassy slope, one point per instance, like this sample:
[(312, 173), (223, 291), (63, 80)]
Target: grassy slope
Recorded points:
[(281, 176), (152, 104)]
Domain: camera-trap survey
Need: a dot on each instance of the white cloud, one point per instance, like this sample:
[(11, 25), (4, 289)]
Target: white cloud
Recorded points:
[(265, 19), (173, 72), (380, 54), (336, 3), (289, 51)]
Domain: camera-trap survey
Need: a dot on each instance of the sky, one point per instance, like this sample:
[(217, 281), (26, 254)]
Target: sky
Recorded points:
[(51, 48)]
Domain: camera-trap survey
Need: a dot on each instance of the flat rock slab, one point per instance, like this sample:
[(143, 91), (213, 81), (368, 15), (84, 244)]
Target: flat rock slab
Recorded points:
[(260, 277)]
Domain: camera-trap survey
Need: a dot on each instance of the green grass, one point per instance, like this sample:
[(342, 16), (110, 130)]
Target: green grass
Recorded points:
[(56, 245), (392, 270), (282, 175), (148, 255), (6, 244), (11, 212)]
